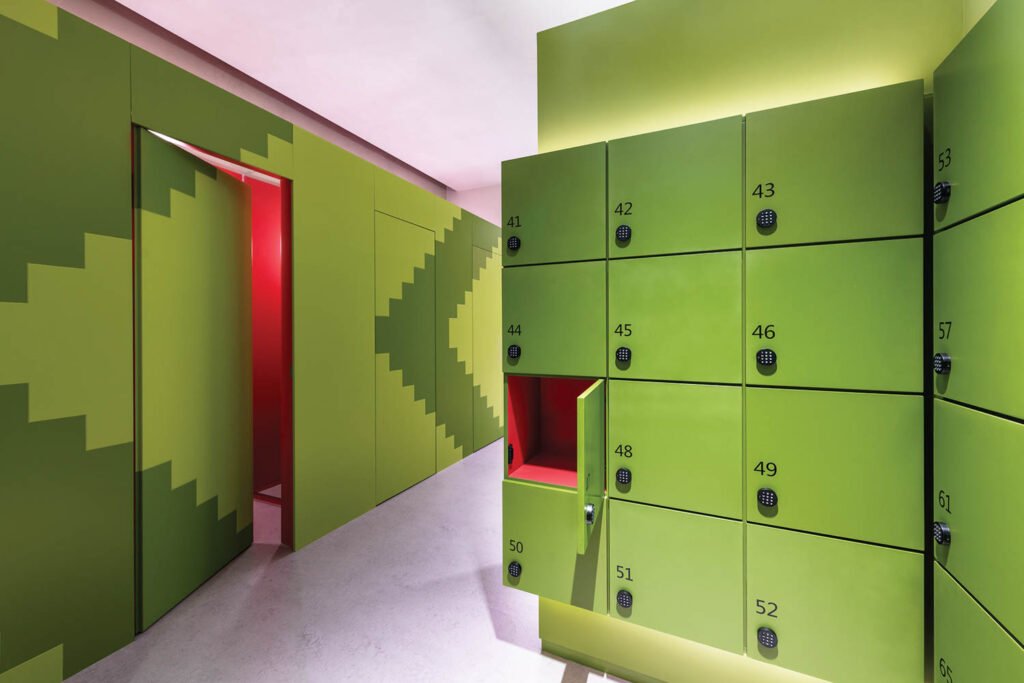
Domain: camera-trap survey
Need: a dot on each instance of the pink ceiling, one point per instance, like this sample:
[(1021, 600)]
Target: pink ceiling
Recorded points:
[(448, 86)]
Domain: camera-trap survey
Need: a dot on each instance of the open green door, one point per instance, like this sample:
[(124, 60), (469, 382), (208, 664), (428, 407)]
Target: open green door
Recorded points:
[(589, 461), (193, 390)]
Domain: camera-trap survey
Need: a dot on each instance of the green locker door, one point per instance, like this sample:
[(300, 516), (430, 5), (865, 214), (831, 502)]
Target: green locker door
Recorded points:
[(678, 573), (840, 464), (554, 317), (676, 190), (842, 611), (676, 317), (977, 289), (978, 100), (978, 470), (969, 645), (843, 316), (590, 411), (676, 445), (193, 375), (540, 535), (841, 168), (553, 204), (405, 364)]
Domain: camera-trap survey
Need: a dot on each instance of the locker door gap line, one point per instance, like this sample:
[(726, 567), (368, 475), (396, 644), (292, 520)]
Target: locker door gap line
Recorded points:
[(979, 409), (980, 604), (837, 538), (890, 392), (979, 214), (859, 240)]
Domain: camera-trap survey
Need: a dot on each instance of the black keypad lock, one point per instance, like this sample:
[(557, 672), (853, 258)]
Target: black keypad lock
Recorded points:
[(766, 219), (766, 358), (767, 638), (623, 233), (625, 599), (942, 534), (623, 354), (941, 192), (767, 498), (942, 363), (515, 351), (624, 476), (514, 243), (514, 569)]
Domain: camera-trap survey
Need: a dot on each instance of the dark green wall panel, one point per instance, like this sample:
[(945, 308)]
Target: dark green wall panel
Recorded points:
[(172, 101), (333, 321), (66, 581)]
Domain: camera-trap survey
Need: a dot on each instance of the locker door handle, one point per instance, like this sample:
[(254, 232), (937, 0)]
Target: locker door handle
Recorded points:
[(624, 598), (942, 363), (623, 354), (514, 243), (766, 219), (767, 358), (515, 351), (941, 533), (515, 569), (941, 192), (623, 233), (767, 638), (767, 497), (624, 476), (588, 514)]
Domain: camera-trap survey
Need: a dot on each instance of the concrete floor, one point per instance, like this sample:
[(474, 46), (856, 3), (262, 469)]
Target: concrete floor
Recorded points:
[(410, 591)]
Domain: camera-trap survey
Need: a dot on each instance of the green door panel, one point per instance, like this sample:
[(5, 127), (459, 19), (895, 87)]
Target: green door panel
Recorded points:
[(333, 336), (556, 315), (678, 190), (841, 464), (842, 611), (193, 374), (843, 316), (977, 288), (683, 571), (978, 99), (399, 198), (841, 168), (680, 317), (488, 404), (554, 203), (681, 443), (406, 397), (589, 460), (540, 533), (969, 645), (978, 470)]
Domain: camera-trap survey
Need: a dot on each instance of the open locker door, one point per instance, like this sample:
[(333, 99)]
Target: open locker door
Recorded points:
[(590, 461)]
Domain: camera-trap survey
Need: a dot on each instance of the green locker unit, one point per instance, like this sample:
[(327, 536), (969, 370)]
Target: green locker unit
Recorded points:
[(843, 316), (677, 190), (978, 288), (842, 168), (969, 644), (978, 101), (837, 463), (843, 611), (676, 318), (553, 319), (676, 445), (553, 206), (677, 572), (978, 469)]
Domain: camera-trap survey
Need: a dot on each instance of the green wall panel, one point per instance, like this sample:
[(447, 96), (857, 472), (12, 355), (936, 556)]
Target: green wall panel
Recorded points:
[(846, 612), (845, 316), (682, 445), (969, 645), (977, 100), (333, 314), (540, 532), (406, 396), (401, 199), (825, 454), (976, 284), (978, 468), (678, 190), (554, 203), (488, 394), (194, 373), (680, 316), (556, 314), (846, 167), (172, 101), (67, 585), (652, 556)]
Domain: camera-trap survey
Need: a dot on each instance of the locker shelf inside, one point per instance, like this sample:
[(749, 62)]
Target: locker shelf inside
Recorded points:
[(542, 428)]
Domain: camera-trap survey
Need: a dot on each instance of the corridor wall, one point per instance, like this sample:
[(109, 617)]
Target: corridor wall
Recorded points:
[(67, 464)]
